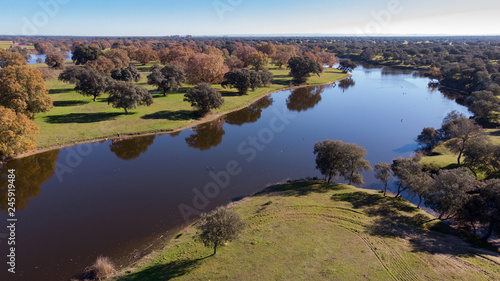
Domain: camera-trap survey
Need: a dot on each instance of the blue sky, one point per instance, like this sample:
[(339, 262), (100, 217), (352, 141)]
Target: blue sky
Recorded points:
[(229, 17)]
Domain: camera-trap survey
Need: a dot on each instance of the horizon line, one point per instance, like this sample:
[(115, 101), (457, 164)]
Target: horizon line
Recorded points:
[(264, 35)]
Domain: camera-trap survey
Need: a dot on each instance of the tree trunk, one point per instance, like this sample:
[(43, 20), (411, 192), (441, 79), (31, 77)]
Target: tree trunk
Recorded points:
[(490, 229), (215, 250), (458, 159), (95, 98), (329, 178), (399, 191), (385, 189), (126, 111), (419, 201), (164, 93)]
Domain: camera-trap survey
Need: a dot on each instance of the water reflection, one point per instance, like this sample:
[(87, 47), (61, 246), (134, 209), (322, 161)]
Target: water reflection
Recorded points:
[(31, 173), (175, 134), (207, 135), (395, 72), (451, 94), (250, 114), (131, 148), (347, 83), (303, 99)]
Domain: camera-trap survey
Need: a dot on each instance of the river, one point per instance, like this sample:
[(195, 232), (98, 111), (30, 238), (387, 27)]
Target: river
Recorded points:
[(121, 199)]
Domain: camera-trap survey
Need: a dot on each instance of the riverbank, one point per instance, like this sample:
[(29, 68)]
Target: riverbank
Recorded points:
[(318, 231), (443, 158), (75, 119)]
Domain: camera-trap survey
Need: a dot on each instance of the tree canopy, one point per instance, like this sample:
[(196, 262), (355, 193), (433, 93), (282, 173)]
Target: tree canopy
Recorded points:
[(347, 65), (334, 158), (203, 68), (22, 89), (244, 79), (17, 133), (166, 78), (204, 98), (302, 67), (55, 60), (83, 54), (9, 58), (127, 96), (127, 74), (219, 226), (89, 81)]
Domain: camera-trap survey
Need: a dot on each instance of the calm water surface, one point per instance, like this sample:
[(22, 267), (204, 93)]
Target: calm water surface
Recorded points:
[(34, 57), (117, 199)]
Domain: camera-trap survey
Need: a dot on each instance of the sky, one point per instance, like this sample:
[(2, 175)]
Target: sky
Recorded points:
[(249, 17)]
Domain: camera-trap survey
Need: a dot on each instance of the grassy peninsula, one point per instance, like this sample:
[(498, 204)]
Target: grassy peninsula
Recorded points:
[(311, 230)]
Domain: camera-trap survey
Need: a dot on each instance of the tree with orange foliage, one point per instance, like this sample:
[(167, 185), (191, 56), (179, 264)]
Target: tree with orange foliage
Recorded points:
[(103, 64), (75, 44), (211, 50), (17, 133), (258, 60), (44, 48), (179, 53), (242, 52), (163, 56), (145, 54), (119, 57), (8, 58), (233, 63), (328, 58), (267, 48), (283, 54), (205, 68), (22, 89), (55, 60), (131, 50)]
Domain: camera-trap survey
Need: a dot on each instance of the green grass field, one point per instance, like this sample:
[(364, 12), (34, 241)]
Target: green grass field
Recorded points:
[(445, 159), (320, 231), (5, 44), (77, 118)]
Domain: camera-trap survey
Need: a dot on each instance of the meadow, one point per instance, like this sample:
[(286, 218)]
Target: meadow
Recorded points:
[(311, 230), (77, 118)]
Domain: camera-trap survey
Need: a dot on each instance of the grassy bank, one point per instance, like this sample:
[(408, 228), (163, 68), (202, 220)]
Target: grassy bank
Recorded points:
[(76, 118), (319, 231), (442, 158)]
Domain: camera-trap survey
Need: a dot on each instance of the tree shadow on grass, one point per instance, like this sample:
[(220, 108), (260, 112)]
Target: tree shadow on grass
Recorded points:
[(302, 188), (172, 115), (375, 204), (70, 103), (82, 117), (495, 133), (167, 271), (60, 91), (232, 93), (282, 80)]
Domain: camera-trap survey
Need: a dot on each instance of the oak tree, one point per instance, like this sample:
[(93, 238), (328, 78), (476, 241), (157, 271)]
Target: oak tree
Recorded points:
[(204, 98), (22, 89), (219, 226), (127, 96), (17, 133)]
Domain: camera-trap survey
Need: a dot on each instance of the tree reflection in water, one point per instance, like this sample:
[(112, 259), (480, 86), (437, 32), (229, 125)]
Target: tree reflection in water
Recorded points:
[(303, 99), (250, 114), (346, 84), (131, 148), (207, 135), (31, 173)]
